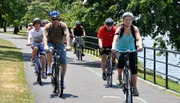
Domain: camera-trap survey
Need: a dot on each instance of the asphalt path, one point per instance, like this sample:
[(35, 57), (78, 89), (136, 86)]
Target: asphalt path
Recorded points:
[(83, 82)]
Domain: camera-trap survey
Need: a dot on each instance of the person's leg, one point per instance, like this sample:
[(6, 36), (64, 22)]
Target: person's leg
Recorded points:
[(43, 58), (133, 66), (121, 62), (49, 59), (63, 60), (74, 42)]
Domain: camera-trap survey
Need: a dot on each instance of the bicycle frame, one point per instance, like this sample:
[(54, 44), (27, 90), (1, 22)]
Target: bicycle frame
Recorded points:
[(127, 79), (57, 77), (38, 65), (78, 48)]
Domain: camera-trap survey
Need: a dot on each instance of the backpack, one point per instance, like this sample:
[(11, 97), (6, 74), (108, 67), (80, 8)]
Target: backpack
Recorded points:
[(133, 33)]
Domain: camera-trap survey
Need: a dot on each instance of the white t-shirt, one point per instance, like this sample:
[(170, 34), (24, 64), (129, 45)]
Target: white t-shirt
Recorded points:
[(37, 37)]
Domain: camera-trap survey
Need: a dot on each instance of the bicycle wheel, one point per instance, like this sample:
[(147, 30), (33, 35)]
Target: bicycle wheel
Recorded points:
[(39, 65), (53, 79), (60, 82), (128, 87), (109, 73)]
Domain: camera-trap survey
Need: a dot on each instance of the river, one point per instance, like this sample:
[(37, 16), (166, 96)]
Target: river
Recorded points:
[(172, 59)]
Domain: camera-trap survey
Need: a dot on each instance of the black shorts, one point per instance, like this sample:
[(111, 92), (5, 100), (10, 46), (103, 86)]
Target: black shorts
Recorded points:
[(132, 62), (106, 52)]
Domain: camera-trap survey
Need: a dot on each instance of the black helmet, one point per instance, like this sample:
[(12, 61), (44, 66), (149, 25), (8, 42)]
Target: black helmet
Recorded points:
[(78, 23), (36, 20), (109, 21)]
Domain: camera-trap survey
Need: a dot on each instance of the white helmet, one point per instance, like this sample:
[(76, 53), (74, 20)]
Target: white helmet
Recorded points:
[(128, 14)]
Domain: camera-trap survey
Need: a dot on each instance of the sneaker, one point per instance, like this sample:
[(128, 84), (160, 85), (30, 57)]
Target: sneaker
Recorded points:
[(119, 78), (104, 76), (135, 92), (64, 86), (49, 71), (44, 76), (33, 61)]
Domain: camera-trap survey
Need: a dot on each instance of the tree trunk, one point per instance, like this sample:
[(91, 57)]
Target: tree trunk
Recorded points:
[(4, 27), (20, 27), (16, 29)]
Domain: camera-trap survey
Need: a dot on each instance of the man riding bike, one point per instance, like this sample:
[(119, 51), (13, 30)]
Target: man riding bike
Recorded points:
[(106, 35), (78, 31), (54, 34), (35, 38)]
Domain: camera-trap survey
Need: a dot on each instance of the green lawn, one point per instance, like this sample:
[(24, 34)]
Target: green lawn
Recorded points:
[(13, 84)]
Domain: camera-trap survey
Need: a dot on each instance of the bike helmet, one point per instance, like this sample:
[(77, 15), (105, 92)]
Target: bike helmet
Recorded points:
[(54, 14), (36, 21), (78, 23), (45, 21), (109, 21), (128, 14)]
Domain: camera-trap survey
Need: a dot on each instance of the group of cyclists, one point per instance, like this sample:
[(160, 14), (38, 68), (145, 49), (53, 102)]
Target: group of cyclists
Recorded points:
[(121, 38), (111, 38)]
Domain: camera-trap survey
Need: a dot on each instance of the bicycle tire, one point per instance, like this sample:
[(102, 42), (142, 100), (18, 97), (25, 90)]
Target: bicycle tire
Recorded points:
[(129, 87), (109, 73), (60, 82), (39, 71)]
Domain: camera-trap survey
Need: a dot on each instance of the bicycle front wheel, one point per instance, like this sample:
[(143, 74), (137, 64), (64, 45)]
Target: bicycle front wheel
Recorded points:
[(39, 66), (109, 73), (60, 82), (128, 93)]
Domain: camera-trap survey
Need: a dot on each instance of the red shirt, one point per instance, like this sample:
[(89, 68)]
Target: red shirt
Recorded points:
[(106, 36)]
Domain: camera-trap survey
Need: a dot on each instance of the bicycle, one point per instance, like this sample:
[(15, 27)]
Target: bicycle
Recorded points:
[(126, 82), (78, 48), (57, 74), (38, 65), (109, 70)]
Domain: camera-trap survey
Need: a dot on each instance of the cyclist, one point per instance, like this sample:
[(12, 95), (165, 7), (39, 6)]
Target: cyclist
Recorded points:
[(35, 38), (30, 26), (54, 33), (78, 31), (44, 22), (126, 42), (105, 39)]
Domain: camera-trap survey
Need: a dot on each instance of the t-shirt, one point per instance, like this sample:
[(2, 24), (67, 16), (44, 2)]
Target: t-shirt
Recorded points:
[(106, 36), (37, 37), (57, 34)]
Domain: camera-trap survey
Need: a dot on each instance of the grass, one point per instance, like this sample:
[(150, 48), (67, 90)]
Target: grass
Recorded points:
[(13, 84), (174, 86), (21, 32)]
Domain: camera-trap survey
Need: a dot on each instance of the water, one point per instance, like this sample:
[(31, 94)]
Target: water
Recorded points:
[(172, 59)]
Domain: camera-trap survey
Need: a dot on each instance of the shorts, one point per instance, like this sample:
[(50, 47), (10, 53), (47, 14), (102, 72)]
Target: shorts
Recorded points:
[(41, 47), (132, 62), (106, 52), (61, 47), (80, 40)]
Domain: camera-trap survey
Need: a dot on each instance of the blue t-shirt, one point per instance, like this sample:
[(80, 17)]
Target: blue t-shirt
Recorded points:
[(126, 43)]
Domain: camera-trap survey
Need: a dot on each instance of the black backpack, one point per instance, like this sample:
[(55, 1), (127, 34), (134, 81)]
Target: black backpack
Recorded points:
[(133, 33)]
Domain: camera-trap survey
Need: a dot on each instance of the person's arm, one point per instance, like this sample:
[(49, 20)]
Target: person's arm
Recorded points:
[(66, 32), (138, 38), (116, 38), (100, 38), (84, 33), (45, 34)]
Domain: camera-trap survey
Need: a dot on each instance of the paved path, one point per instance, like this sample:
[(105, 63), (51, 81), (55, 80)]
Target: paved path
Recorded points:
[(84, 83)]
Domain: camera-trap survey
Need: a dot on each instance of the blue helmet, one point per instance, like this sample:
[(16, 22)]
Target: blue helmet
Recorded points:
[(54, 14), (109, 21)]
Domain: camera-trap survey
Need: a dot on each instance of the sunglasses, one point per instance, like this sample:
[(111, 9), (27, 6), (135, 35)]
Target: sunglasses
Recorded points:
[(55, 19)]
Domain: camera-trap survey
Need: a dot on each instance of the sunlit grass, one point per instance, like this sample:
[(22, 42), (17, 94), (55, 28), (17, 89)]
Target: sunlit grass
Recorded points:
[(13, 84)]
